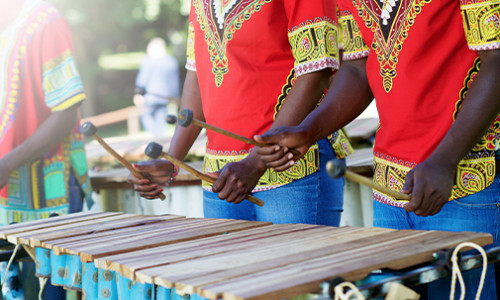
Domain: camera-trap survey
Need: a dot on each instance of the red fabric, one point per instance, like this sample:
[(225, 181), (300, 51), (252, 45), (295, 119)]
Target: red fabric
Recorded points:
[(431, 68), (257, 71), (44, 35)]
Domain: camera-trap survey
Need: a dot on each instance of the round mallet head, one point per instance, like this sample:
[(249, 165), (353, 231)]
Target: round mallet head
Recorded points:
[(88, 129), (186, 117), (335, 168), (171, 119), (153, 150)]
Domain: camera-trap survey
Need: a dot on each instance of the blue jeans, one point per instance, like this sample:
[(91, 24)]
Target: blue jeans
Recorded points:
[(314, 199), (479, 212)]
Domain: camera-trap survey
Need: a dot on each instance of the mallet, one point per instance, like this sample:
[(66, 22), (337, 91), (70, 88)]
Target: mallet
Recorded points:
[(155, 150), (186, 118), (337, 168), (88, 129)]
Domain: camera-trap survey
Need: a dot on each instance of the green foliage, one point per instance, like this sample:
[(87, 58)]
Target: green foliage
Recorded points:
[(105, 28)]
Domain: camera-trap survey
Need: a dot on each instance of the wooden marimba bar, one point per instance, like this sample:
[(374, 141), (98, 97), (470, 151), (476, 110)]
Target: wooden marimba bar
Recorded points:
[(126, 256)]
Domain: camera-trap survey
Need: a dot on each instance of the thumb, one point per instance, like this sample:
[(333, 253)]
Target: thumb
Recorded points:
[(144, 166), (261, 138), (216, 187), (268, 137), (408, 189), (408, 186), (139, 167)]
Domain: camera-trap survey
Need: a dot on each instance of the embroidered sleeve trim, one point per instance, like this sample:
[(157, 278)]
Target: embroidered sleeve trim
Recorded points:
[(482, 24), (357, 55), (314, 45), (341, 144), (70, 102), (313, 66), (60, 78), (190, 60), (305, 166), (353, 43), (474, 173)]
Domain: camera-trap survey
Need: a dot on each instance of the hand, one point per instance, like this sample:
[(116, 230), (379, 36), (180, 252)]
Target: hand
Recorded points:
[(158, 172), (278, 156), (430, 184), (236, 180), (139, 100)]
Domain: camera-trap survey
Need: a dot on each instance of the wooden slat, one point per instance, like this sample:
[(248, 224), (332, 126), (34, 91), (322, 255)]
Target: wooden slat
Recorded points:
[(36, 238), (63, 246), (71, 245), (259, 259), (43, 223), (128, 263), (306, 276), (233, 259), (25, 235), (95, 230), (226, 244), (90, 252), (259, 252)]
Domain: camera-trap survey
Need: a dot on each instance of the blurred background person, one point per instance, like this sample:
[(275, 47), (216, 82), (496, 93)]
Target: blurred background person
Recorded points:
[(43, 168), (156, 86)]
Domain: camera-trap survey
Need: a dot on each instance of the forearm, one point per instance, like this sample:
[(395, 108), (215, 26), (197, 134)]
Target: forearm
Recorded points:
[(479, 108), (184, 137), (348, 96), (56, 127), (300, 101), (302, 98)]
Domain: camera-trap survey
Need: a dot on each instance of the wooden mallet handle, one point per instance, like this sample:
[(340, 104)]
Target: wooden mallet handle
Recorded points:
[(186, 118), (155, 150), (88, 129), (337, 168)]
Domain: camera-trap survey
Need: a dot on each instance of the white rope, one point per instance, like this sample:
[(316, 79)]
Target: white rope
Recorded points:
[(353, 291), (7, 269), (456, 273), (8, 265), (42, 281)]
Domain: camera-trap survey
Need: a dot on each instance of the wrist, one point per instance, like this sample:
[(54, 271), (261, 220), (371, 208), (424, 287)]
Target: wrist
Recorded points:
[(308, 134), (254, 160), (444, 162), (175, 172)]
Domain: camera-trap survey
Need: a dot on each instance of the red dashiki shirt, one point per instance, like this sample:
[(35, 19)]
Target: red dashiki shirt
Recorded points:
[(39, 77), (419, 75), (247, 54)]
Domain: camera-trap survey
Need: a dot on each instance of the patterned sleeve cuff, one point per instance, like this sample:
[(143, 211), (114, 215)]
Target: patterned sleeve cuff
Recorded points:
[(481, 21), (352, 41), (190, 60), (61, 82), (314, 46), (69, 102)]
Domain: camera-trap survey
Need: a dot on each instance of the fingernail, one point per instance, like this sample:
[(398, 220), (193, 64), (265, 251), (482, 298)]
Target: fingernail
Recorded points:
[(277, 148), (290, 156), (292, 163), (135, 165)]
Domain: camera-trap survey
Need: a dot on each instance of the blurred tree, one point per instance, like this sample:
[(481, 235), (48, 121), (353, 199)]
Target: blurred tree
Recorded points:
[(113, 29)]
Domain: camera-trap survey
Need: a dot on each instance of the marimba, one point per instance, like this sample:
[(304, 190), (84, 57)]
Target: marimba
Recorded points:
[(126, 256)]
